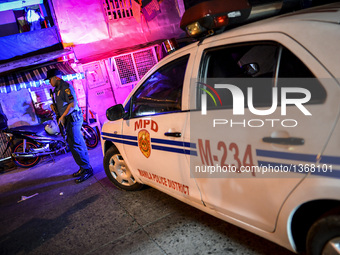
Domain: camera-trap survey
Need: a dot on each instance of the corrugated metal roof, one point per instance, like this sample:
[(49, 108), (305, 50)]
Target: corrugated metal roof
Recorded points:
[(32, 78)]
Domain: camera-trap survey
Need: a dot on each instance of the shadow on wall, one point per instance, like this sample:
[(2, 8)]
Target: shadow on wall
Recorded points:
[(18, 107), (29, 110)]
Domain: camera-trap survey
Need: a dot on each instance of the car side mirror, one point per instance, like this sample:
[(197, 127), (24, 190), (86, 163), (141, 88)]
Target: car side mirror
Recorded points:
[(251, 69), (115, 112)]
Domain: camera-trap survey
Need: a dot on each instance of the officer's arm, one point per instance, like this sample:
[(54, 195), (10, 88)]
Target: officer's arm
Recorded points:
[(70, 108), (53, 108)]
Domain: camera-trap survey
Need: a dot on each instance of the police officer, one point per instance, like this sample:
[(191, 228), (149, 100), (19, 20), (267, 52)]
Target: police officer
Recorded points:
[(72, 119)]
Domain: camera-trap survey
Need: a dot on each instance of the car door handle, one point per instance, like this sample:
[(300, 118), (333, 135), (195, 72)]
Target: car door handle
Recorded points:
[(173, 134), (284, 141)]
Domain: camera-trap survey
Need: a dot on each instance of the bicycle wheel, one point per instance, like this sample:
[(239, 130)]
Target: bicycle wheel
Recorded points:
[(90, 136)]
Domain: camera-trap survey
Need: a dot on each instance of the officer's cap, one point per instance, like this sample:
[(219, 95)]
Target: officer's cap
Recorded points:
[(53, 72)]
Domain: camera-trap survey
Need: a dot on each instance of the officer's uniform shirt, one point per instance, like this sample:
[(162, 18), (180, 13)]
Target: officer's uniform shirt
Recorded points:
[(64, 95)]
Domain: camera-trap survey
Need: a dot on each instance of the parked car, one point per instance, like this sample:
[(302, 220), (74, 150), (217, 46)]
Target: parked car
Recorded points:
[(243, 125)]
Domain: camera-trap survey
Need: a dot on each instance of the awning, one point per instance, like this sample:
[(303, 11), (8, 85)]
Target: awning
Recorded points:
[(23, 63), (35, 77), (20, 44)]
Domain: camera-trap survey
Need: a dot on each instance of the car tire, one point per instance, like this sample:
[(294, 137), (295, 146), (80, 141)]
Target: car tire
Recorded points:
[(324, 236), (118, 172)]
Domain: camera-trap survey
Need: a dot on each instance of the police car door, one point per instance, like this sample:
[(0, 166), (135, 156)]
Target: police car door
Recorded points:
[(157, 121), (249, 161)]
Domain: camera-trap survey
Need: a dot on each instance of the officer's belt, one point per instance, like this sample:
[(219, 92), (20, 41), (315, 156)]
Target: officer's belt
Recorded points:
[(76, 115)]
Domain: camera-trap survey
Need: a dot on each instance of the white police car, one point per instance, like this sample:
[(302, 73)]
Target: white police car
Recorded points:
[(245, 126)]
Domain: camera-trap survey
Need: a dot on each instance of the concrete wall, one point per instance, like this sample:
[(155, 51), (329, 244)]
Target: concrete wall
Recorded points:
[(8, 24), (82, 24), (104, 86)]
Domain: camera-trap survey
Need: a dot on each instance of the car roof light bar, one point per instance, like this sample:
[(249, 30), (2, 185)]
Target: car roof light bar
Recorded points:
[(207, 17), (202, 16)]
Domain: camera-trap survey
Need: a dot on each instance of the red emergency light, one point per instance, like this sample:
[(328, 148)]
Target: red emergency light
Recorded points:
[(214, 15)]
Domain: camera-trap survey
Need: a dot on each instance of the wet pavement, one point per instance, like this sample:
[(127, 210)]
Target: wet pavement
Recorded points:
[(94, 217)]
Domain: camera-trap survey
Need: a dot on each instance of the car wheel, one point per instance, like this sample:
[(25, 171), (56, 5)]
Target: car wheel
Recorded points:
[(118, 172), (324, 236)]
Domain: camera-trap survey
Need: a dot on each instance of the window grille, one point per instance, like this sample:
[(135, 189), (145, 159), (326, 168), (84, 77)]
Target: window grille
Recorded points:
[(3, 144), (144, 61), (117, 9), (133, 66), (126, 69)]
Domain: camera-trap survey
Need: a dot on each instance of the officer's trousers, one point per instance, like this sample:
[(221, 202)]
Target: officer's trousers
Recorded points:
[(77, 144)]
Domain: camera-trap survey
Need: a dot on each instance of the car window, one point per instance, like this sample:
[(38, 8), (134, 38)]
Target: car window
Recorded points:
[(127, 106), (294, 73), (235, 64), (162, 91)]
